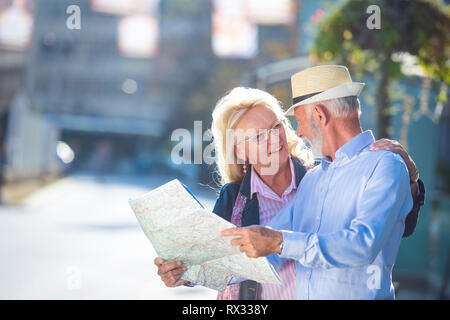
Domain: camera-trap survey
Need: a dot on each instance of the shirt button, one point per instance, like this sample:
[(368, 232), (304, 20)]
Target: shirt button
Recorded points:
[(317, 218)]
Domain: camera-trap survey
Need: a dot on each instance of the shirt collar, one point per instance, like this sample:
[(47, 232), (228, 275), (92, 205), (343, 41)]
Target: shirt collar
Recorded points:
[(258, 186), (351, 148), (355, 145)]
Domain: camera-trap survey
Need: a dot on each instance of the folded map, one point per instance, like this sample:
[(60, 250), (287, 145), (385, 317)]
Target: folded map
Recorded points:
[(180, 229)]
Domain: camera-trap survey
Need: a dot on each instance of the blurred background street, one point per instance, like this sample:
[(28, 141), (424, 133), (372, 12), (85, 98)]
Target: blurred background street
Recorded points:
[(92, 91), (78, 239)]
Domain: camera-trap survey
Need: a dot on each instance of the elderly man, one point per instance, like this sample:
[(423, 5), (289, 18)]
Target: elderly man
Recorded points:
[(344, 226)]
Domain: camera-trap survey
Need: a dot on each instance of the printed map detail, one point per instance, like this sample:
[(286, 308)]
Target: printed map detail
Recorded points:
[(181, 230)]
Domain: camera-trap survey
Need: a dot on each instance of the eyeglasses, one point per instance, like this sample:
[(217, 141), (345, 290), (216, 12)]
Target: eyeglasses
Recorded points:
[(263, 134)]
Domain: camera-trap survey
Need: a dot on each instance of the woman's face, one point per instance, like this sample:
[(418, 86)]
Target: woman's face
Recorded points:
[(266, 149)]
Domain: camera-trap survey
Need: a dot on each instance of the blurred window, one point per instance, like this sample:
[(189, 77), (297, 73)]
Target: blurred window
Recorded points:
[(138, 36), (16, 24), (271, 12), (124, 7), (233, 33)]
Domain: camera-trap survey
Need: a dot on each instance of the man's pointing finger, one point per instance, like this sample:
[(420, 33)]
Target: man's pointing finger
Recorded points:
[(236, 242), (231, 232)]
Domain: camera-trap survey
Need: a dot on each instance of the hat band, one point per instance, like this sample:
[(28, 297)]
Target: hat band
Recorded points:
[(304, 97)]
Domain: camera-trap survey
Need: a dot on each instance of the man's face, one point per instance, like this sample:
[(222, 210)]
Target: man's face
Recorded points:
[(308, 130), (303, 129)]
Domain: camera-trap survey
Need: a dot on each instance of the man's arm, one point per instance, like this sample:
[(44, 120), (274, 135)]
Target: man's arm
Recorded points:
[(386, 197)]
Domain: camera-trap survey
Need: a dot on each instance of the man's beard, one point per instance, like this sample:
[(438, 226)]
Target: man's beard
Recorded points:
[(316, 142)]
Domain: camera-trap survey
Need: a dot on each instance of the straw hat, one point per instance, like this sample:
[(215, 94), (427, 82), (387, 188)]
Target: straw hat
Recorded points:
[(322, 83)]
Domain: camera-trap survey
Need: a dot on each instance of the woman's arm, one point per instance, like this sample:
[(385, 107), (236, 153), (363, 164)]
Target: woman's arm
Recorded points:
[(170, 272)]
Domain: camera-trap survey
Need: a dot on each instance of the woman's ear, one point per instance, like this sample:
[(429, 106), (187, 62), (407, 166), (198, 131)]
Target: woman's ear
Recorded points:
[(239, 151)]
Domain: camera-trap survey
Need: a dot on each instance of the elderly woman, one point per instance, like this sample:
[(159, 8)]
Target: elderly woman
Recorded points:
[(261, 164)]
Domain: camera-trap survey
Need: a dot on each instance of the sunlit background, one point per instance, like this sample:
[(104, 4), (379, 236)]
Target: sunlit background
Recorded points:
[(86, 116)]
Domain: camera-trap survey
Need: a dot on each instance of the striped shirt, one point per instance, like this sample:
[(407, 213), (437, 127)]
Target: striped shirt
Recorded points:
[(269, 205)]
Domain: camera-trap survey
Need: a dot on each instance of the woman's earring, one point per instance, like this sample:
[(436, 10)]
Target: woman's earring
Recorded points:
[(244, 168)]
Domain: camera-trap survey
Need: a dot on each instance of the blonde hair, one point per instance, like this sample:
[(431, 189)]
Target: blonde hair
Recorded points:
[(226, 114)]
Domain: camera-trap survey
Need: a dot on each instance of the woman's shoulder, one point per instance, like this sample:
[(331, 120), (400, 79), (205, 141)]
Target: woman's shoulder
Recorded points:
[(228, 192), (226, 199), (299, 169), (230, 187)]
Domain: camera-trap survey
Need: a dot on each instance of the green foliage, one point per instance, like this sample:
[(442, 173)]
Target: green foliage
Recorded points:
[(420, 28)]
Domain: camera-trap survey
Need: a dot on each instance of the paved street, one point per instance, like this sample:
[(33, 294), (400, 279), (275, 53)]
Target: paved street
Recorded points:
[(78, 239)]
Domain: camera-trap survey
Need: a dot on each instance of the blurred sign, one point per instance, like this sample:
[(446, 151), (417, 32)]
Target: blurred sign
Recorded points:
[(271, 12), (234, 35), (124, 7), (138, 36), (16, 24)]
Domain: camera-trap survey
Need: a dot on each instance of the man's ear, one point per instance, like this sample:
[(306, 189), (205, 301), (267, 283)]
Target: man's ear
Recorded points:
[(321, 114)]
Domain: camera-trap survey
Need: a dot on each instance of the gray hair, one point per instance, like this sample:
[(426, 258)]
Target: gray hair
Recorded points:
[(340, 107)]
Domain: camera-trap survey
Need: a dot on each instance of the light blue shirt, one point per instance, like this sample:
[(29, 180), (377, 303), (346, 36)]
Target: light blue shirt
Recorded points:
[(344, 226)]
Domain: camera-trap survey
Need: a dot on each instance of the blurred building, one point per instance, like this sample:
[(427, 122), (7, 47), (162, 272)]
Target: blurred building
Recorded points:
[(91, 89), (131, 73), (14, 44), (121, 79)]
